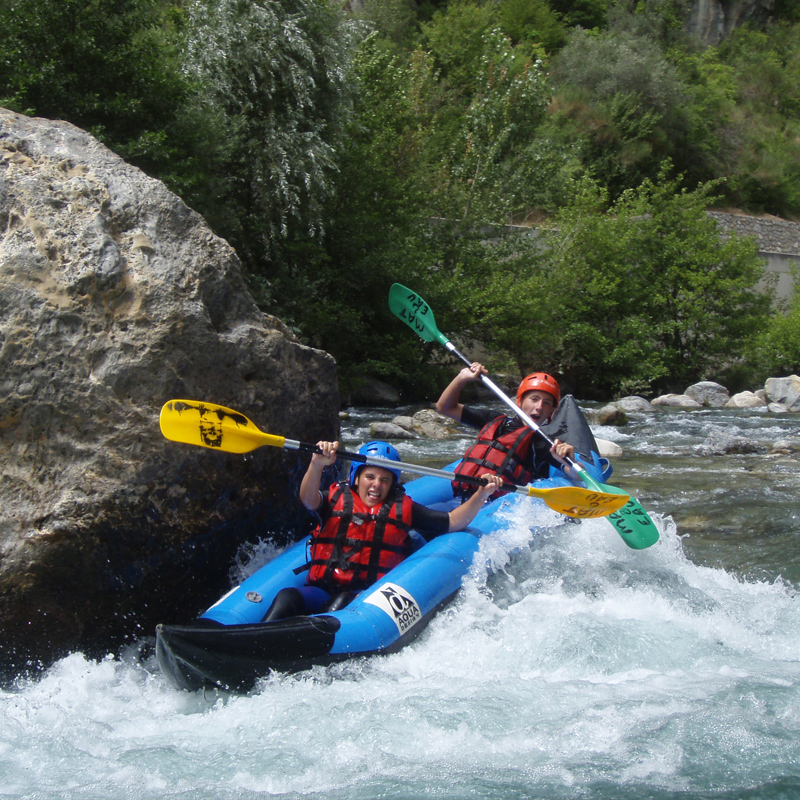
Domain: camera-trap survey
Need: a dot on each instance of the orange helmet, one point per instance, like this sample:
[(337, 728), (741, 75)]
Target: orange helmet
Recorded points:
[(541, 381)]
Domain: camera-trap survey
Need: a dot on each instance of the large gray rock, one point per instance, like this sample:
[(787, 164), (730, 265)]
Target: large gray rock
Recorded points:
[(785, 391), (708, 393), (745, 400), (429, 423), (114, 298), (728, 442), (633, 403), (676, 401)]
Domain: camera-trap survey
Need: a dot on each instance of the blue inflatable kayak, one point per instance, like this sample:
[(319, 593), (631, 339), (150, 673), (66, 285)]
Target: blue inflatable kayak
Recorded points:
[(230, 647)]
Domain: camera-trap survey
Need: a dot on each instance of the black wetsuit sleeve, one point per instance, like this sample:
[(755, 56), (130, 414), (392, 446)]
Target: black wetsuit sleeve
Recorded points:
[(478, 417), (540, 458), (322, 513), (429, 522)]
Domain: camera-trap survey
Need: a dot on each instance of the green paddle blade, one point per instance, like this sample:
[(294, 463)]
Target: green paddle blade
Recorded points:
[(416, 313), (631, 522)]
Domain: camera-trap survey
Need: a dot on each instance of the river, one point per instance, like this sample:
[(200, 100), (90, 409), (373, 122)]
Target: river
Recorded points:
[(569, 667)]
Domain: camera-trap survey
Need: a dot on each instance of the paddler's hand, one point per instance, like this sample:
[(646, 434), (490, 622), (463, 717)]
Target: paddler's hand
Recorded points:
[(472, 372), (309, 493), (493, 483), (563, 452), (328, 454)]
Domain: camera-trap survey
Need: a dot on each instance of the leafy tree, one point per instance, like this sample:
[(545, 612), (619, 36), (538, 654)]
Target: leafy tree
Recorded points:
[(455, 38), (652, 296), (108, 66), (765, 169), (619, 100), (276, 72), (641, 297), (395, 20), (489, 165), (377, 232), (582, 13), (532, 21)]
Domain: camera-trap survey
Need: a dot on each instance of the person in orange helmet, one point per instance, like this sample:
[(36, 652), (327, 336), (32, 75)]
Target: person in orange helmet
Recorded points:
[(505, 445)]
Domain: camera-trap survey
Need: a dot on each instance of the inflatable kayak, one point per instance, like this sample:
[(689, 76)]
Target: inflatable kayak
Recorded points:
[(229, 646)]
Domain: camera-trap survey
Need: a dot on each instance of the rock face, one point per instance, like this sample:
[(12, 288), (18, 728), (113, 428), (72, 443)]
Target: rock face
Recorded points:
[(114, 298), (713, 20)]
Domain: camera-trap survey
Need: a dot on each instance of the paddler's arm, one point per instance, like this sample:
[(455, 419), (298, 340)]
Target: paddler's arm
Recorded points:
[(461, 517), (309, 493), (448, 403)]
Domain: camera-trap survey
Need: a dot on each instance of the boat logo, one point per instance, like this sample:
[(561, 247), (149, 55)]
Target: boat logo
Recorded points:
[(395, 601), (254, 597)]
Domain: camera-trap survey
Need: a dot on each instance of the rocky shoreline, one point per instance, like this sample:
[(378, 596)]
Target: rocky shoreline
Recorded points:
[(778, 396)]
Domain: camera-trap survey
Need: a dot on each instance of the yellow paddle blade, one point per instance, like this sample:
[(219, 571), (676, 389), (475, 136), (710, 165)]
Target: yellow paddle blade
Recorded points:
[(575, 501), (209, 425)]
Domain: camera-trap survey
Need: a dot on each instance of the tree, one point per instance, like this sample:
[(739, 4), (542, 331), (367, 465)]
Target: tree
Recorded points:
[(276, 71), (776, 350), (490, 170), (652, 296), (640, 296), (623, 105), (108, 66)]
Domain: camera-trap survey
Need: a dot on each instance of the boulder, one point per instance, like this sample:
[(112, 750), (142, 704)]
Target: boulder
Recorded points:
[(786, 446), (708, 393), (610, 414), (428, 424), (785, 391), (728, 442), (776, 408), (676, 401), (634, 403), (745, 400), (389, 430), (608, 449), (114, 298)]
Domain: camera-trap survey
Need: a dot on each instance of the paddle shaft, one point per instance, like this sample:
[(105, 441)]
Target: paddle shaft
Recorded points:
[(386, 463)]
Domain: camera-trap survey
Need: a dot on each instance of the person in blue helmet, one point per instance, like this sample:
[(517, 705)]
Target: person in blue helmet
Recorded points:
[(364, 529)]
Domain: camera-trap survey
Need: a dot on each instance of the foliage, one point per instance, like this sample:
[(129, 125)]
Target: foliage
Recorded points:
[(765, 168), (623, 105), (275, 69), (532, 21), (323, 153), (586, 14), (652, 296), (645, 295), (334, 289), (108, 66), (489, 168)]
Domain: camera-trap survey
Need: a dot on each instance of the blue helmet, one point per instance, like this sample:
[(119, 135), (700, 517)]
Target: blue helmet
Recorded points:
[(379, 450)]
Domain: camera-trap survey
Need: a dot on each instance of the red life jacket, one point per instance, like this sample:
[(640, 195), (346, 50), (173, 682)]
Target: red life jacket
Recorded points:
[(496, 455), (357, 545)]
